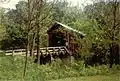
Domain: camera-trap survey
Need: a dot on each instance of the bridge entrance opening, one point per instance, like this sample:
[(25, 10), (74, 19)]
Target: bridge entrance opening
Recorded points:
[(57, 40)]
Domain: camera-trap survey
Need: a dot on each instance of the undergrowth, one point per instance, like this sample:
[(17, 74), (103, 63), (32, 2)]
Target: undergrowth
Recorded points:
[(11, 68)]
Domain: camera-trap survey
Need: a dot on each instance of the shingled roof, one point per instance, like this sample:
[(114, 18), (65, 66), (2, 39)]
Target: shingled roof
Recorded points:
[(66, 27)]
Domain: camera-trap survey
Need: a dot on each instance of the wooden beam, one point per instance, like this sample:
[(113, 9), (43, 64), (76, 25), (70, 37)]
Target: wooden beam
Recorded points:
[(47, 50), (67, 51)]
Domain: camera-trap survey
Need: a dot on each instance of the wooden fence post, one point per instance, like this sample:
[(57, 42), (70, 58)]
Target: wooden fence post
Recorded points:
[(12, 52)]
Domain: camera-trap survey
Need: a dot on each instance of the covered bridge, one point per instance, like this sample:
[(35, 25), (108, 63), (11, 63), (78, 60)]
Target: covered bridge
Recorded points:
[(62, 35)]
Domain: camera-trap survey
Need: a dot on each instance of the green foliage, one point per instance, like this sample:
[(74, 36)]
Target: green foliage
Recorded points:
[(106, 16), (2, 28), (16, 23), (11, 68)]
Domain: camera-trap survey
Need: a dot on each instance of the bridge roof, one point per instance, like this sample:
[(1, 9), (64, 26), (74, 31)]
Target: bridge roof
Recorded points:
[(66, 27)]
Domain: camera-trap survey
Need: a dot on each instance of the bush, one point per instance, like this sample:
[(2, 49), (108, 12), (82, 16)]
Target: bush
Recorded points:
[(11, 68)]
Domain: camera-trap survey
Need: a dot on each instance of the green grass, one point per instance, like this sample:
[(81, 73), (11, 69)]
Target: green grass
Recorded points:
[(11, 68), (91, 78)]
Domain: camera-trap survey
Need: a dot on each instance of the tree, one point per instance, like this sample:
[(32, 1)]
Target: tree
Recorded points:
[(38, 15), (2, 28), (105, 13)]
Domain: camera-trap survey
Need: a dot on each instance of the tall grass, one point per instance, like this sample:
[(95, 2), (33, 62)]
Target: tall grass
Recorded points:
[(11, 68)]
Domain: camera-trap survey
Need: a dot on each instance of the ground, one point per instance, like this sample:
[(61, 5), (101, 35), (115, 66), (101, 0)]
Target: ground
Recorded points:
[(92, 78)]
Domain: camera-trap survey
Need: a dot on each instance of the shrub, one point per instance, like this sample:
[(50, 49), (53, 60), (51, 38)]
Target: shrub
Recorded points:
[(11, 68)]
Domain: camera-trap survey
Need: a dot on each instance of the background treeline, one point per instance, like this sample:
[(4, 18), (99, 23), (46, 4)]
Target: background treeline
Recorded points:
[(27, 25)]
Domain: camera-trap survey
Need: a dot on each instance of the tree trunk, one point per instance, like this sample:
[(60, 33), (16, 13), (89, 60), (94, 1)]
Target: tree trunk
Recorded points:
[(27, 46), (38, 44), (26, 58), (33, 46)]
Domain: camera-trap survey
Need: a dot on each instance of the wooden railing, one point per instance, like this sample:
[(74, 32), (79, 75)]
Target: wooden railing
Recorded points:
[(45, 50), (15, 52)]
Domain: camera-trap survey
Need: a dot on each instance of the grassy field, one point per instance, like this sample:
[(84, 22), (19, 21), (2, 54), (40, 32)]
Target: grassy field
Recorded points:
[(92, 78), (110, 77), (11, 69)]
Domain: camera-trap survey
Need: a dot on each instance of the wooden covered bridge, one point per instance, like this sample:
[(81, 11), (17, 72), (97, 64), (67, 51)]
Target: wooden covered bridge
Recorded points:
[(63, 35), (61, 43)]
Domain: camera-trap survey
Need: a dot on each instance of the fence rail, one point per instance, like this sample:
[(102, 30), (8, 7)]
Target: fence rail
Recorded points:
[(45, 50)]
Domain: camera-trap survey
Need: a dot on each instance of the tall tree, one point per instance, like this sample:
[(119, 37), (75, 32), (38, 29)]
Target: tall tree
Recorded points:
[(106, 15), (38, 18)]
